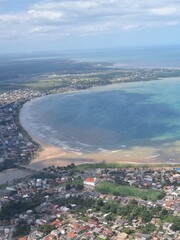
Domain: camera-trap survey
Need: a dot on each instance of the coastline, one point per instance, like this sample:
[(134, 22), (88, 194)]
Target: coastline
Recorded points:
[(49, 155), (52, 155)]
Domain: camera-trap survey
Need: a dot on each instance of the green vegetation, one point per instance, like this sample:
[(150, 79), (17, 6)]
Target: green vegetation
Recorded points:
[(66, 81), (176, 225), (87, 166), (47, 84), (62, 168), (129, 212), (84, 79), (110, 210), (46, 229), (169, 218), (77, 184), (147, 229), (133, 211), (3, 186), (84, 218), (125, 191), (128, 231), (10, 209), (21, 229)]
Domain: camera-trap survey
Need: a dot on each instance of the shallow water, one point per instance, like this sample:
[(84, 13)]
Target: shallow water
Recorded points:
[(111, 118), (11, 174)]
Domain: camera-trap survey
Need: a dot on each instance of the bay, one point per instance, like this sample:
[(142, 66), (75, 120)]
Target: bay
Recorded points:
[(110, 118)]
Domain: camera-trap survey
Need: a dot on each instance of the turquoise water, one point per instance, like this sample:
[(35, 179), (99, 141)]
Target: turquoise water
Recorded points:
[(121, 116)]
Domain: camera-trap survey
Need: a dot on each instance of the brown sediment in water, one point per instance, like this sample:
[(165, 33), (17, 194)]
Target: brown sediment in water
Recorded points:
[(52, 155)]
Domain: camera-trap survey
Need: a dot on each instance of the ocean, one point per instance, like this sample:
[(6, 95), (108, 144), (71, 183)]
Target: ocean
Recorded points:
[(133, 57)]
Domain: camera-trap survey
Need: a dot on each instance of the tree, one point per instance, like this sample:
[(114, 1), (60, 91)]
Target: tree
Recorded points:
[(110, 217), (147, 229), (72, 165), (127, 230), (175, 226), (146, 216), (100, 202), (114, 209), (133, 202), (68, 187), (79, 186), (21, 229), (46, 228)]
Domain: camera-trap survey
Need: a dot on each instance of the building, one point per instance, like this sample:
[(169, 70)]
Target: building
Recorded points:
[(90, 182)]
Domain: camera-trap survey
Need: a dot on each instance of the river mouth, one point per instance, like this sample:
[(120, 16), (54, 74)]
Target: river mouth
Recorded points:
[(131, 120)]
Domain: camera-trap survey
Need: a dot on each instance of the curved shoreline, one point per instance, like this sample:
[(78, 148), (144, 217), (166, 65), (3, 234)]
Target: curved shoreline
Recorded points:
[(52, 155)]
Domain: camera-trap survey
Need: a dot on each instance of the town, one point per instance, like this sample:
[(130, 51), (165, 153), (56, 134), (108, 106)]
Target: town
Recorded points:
[(84, 202), (15, 146)]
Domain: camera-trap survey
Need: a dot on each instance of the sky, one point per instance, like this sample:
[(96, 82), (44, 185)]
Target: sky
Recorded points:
[(50, 25)]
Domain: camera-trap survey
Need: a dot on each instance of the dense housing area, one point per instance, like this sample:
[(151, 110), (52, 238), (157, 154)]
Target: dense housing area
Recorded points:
[(93, 203)]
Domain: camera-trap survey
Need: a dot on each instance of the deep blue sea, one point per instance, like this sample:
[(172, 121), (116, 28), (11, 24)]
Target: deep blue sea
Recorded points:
[(115, 117)]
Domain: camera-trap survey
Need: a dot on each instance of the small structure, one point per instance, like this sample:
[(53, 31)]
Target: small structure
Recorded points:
[(90, 182)]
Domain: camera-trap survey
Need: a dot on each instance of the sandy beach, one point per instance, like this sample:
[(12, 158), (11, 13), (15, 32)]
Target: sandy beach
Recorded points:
[(52, 155), (49, 155)]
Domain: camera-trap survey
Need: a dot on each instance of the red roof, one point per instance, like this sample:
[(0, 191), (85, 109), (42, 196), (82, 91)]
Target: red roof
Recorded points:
[(75, 225), (56, 223), (91, 180), (71, 235)]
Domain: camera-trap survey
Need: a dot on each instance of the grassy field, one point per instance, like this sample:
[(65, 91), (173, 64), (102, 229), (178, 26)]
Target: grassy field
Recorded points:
[(126, 191)]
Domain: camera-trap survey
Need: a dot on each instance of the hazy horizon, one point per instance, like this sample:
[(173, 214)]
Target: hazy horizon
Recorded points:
[(41, 25), (66, 52)]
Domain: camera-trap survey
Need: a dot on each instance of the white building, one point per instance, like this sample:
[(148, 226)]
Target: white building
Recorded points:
[(90, 182)]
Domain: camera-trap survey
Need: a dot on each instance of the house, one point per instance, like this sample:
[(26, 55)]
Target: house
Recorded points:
[(122, 236), (22, 238), (71, 235), (90, 182)]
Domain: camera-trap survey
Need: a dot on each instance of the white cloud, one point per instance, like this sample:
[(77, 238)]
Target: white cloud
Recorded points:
[(89, 16), (48, 15), (12, 18), (43, 29), (72, 4), (164, 11)]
